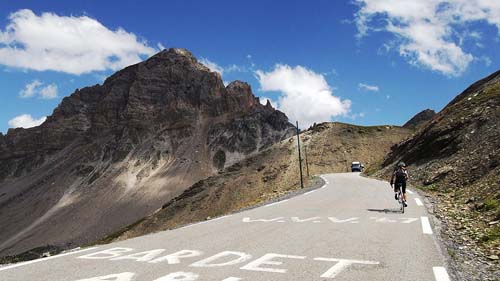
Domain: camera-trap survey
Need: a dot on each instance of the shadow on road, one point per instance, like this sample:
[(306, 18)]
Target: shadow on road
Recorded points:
[(392, 211)]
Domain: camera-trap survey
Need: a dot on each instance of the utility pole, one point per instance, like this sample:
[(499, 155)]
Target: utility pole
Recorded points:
[(307, 163), (300, 159)]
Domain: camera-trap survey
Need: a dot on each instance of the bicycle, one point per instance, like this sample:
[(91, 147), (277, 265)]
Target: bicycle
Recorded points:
[(401, 199)]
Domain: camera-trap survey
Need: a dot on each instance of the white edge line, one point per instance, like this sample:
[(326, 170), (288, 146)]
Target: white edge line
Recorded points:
[(220, 218), (426, 226), (409, 191), (419, 202), (275, 203), (45, 259), (309, 192), (440, 273)]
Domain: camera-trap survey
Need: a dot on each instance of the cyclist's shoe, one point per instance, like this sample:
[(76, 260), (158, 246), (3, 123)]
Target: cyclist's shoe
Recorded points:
[(404, 203), (396, 196)]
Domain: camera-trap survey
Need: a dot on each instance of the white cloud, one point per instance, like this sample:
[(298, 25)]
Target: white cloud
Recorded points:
[(160, 46), (263, 101), (30, 89), (372, 88), (25, 121), (305, 94), (49, 92), (68, 44), (234, 68), (212, 65), (487, 61), (34, 88), (426, 30), (355, 116)]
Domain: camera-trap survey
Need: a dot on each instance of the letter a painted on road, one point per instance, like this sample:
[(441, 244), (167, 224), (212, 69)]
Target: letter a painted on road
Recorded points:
[(179, 276)]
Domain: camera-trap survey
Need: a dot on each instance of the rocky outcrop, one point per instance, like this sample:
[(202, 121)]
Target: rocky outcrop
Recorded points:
[(113, 153), (420, 119)]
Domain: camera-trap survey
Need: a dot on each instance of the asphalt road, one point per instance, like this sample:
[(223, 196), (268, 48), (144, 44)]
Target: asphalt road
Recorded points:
[(349, 229)]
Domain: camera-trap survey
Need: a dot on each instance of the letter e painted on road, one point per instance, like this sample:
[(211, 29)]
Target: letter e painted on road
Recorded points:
[(267, 259), (124, 276), (340, 265), (106, 254), (209, 262), (142, 256), (175, 257), (179, 276)]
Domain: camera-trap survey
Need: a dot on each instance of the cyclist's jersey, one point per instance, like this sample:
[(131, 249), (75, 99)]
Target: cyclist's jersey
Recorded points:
[(399, 176)]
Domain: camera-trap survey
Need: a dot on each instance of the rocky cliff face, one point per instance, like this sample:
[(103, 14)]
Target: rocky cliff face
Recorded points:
[(113, 153)]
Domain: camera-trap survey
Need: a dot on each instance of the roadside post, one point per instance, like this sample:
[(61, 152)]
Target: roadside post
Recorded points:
[(300, 159), (307, 163)]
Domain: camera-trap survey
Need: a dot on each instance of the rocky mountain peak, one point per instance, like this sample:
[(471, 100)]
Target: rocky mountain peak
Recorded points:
[(148, 132), (420, 118)]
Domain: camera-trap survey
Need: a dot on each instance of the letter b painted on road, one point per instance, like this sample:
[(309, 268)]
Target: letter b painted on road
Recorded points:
[(107, 254)]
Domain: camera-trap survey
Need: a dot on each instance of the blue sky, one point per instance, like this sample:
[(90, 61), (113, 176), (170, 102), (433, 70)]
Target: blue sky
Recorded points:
[(365, 61)]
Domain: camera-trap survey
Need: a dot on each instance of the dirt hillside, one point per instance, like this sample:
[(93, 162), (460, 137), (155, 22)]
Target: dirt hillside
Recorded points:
[(331, 147)]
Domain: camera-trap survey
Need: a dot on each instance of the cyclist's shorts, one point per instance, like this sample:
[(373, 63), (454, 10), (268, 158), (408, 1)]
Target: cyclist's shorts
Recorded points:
[(403, 187)]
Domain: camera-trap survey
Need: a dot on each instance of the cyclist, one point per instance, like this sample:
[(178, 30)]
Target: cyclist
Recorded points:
[(399, 178)]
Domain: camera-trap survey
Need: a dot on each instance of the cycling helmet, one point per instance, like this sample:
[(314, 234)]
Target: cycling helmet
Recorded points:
[(401, 164)]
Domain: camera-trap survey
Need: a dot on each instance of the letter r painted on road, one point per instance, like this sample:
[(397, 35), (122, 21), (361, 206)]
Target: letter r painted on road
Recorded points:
[(175, 257), (106, 254), (267, 259), (141, 256), (209, 262)]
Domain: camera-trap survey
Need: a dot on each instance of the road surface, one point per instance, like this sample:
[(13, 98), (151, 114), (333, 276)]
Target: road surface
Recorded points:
[(347, 230)]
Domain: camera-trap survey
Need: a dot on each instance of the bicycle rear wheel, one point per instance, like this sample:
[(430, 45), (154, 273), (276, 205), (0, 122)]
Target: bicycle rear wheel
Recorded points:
[(402, 205), (401, 201)]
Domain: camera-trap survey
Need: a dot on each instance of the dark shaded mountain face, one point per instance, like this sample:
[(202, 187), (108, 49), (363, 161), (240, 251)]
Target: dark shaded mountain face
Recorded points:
[(112, 154), (420, 119)]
